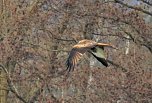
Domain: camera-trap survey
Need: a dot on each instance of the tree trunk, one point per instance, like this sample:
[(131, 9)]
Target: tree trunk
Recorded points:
[(3, 87), (3, 78)]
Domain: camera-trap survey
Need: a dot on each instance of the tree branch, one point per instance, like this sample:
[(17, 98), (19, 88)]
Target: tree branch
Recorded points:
[(116, 65), (11, 85), (66, 39), (147, 2), (115, 35), (132, 7), (36, 94)]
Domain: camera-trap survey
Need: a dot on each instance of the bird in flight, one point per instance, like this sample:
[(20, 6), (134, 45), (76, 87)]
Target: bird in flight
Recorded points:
[(83, 46)]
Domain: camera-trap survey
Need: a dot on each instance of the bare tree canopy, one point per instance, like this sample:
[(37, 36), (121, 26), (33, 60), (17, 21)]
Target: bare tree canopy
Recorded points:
[(36, 37)]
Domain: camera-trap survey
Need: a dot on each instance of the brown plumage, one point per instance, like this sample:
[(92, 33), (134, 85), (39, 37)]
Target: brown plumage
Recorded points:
[(96, 49)]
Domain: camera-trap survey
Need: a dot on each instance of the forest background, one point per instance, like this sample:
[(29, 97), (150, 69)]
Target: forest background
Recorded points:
[(37, 35)]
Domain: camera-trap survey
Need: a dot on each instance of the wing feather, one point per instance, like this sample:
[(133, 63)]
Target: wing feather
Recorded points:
[(74, 57), (97, 50), (102, 60), (106, 45), (98, 53)]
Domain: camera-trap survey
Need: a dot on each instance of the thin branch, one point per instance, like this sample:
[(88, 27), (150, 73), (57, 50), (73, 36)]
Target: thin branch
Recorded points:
[(117, 65), (131, 37), (66, 39), (48, 88), (36, 95), (137, 41), (36, 45), (149, 46), (147, 2), (111, 35), (11, 85), (132, 7)]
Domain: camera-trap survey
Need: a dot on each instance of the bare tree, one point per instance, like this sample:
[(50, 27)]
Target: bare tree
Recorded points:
[(36, 37)]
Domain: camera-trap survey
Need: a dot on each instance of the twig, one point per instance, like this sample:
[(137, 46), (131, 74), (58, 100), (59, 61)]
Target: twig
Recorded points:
[(36, 45), (11, 85), (65, 39), (117, 65), (111, 35), (132, 7), (36, 94), (147, 2)]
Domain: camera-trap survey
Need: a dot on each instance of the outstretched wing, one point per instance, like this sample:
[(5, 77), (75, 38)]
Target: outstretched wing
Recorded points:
[(74, 57), (84, 46), (102, 60), (98, 53), (106, 45)]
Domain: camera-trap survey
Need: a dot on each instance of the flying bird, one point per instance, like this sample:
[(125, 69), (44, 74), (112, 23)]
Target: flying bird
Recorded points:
[(83, 46)]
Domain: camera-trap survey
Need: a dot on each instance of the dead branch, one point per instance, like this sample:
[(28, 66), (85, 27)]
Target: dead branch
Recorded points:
[(133, 7), (12, 88)]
